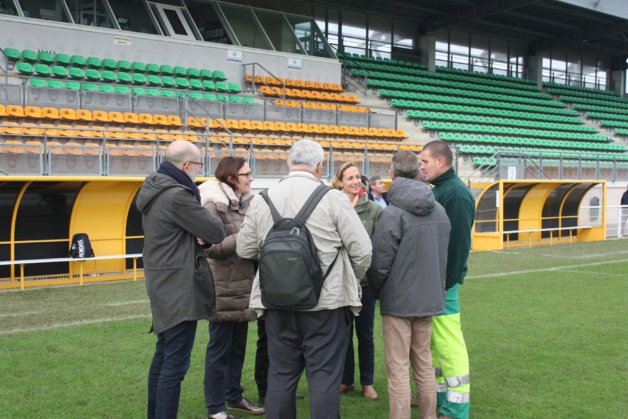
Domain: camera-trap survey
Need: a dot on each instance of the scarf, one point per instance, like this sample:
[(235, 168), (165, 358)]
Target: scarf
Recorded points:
[(179, 175)]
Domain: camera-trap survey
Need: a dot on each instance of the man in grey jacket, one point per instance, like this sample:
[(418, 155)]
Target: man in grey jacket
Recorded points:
[(317, 337), (178, 280), (407, 274)]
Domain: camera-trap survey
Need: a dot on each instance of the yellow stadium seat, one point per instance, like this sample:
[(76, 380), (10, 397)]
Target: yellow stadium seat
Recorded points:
[(131, 118), (68, 114), (175, 120), (146, 118), (32, 112), (28, 128), (50, 113), (14, 110)]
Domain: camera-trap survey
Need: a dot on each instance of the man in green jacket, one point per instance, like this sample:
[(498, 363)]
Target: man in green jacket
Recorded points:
[(449, 352)]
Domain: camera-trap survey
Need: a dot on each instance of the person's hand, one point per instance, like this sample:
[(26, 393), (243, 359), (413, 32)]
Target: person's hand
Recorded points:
[(200, 241)]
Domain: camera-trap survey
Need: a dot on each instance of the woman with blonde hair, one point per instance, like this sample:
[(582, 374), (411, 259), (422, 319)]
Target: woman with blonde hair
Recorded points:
[(348, 180)]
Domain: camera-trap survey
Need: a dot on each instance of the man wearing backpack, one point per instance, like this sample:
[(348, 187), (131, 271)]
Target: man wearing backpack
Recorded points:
[(318, 335)]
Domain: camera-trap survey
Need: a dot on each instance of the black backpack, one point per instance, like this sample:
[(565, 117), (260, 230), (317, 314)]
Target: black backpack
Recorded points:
[(81, 247), (290, 273)]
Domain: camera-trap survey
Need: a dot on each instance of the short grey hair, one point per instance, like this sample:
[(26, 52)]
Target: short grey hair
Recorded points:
[(372, 181), (405, 164), (307, 153)]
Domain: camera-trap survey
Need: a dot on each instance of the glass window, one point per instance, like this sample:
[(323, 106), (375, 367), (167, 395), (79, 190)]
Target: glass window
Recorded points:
[(91, 13), (210, 22), (354, 32), (310, 36), (479, 54), (459, 50), (245, 27), (279, 31), (47, 10), (380, 36), (7, 8), (132, 16), (403, 34)]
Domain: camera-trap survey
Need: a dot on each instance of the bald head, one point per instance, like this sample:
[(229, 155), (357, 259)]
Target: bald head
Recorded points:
[(179, 152)]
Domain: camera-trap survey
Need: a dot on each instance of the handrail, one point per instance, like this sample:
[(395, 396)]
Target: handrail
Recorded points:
[(23, 262), (283, 85)]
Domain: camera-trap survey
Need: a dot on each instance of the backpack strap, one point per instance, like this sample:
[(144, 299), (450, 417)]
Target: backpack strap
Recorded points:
[(273, 210), (311, 203)]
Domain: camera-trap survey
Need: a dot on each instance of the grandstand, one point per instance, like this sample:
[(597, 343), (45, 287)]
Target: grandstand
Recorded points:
[(92, 92)]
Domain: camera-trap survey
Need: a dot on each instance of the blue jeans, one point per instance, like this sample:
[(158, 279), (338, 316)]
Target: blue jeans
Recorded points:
[(223, 364), (170, 364), (366, 350)]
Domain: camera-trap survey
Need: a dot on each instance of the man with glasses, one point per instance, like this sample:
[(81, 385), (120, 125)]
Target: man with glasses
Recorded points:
[(178, 279)]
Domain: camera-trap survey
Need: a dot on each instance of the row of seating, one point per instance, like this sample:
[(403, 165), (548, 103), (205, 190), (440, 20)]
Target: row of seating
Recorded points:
[(607, 116), (596, 102), (502, 140), (532, 114), (293, 83), (480, 75), (464, 96), (388, 61), (438, 79), (304, 94), (498, 121), (523, 132), (572, 88), (321, 106), (613, 124), (80, 62)]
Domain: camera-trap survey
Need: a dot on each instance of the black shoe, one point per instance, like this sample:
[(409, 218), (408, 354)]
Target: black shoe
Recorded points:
[(299, 396), (245, 405)]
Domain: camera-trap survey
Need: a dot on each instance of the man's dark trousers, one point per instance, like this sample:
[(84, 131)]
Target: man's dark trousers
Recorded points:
[(314, 339)]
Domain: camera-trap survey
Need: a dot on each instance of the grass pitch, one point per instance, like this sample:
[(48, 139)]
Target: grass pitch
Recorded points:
[(545, 328)]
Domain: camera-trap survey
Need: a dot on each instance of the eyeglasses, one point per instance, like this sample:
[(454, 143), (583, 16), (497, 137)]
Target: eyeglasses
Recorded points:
[(248, 175), (198, 163)]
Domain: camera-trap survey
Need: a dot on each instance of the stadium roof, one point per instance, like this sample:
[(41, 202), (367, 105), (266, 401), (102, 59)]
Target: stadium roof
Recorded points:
[(601, 27)]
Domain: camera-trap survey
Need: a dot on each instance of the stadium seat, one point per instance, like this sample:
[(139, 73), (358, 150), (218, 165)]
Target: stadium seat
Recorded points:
[(32, 112), (45, 57)]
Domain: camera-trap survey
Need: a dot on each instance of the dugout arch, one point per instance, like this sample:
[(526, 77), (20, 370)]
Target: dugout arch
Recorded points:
[(512, 213)]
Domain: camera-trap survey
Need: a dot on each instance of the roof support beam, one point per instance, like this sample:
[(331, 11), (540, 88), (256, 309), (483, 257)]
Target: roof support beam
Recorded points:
[(484, 9), (580, 36)]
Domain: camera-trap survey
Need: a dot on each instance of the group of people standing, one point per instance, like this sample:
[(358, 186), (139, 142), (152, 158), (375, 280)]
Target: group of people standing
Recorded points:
[(407, 247)]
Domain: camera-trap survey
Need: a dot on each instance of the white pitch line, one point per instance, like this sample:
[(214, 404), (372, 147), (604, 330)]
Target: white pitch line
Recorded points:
[(555, 268), (595, 273), (127, 303), (70, 324), (24, 313)]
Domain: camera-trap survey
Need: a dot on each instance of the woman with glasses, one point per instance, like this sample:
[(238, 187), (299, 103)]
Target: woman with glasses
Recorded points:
[(228, 198), (349, 181)]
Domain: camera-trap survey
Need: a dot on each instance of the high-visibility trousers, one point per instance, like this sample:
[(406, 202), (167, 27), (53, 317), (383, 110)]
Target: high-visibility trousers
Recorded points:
[(450, 360)]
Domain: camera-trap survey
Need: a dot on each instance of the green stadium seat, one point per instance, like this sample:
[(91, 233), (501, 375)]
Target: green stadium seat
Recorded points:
[(152, 92), (55, 84), (138, 67), (123, 77), (209, 85), (12, 54), (30, 56), (194, 73), (73, 85), (59, 71), (24, 68), (37, 82), (236, 99), (180, 71), (139, 91), (94, 62), (106, 88), (92, 74), (196, 84), (195, 95), (222, 87), (166, 70), (168, 93), (234, 88), (90, 87), (138, 78), (181, 83), (207, 75), (210, 97), (63, 60), (124, 65), (219, 75), (108, 76), (125, 90), (249, 100), (167, 81), (153, 80), (78, 61), (46, 57), (75, 73), (152, 68), (109, 64)]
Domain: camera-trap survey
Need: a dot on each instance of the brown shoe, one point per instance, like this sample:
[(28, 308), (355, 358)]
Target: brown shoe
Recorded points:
[(414, 402), (345, 388), (369, 392)]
